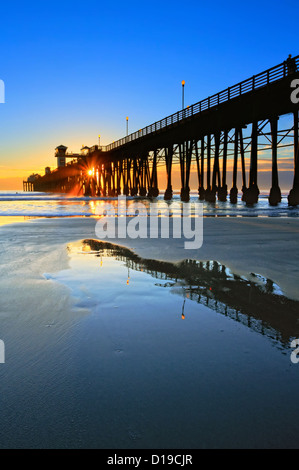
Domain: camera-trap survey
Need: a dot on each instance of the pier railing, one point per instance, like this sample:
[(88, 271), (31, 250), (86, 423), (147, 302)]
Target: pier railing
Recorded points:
[(257, 81)]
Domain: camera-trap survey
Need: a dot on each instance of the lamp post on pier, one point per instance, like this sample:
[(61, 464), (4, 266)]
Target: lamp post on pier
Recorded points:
[(183, 93), (127, 122)]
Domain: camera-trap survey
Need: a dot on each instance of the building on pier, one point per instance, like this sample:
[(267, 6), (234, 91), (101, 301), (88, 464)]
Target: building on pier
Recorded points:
[(29, 184)]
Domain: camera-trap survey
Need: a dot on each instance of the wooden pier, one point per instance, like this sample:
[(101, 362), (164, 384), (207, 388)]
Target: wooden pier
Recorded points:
[(28, 186), (229, 125)]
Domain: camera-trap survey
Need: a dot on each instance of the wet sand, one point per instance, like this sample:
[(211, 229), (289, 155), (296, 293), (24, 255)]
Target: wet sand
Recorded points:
[(265, 246), (97, 354)]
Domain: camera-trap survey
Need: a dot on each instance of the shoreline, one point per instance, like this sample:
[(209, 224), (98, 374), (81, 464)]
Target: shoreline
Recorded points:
[(260, 245)]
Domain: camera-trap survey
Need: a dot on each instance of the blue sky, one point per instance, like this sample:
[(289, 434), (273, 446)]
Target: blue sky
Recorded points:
[(74, 70)]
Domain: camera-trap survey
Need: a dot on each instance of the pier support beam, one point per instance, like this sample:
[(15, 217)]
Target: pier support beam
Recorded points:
[(216, 170), (244, 184), (134, 188), (110, 180), (210, 194), (185, 150), (252, 193), (113, 175), (119, 172), (153, 186), (293, 198), (234, 191), (222, 191), (142, 175), (168, 160), (275, 193), (127, 176), (198, 167), (189, 152), (87, 187), (201, 189)]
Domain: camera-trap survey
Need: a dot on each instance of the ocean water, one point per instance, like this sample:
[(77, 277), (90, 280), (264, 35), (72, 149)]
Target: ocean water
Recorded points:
[(25, 204)]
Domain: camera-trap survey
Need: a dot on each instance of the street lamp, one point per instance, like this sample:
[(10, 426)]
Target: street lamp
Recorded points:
[(99, 140), (127, 119), (183, 90)]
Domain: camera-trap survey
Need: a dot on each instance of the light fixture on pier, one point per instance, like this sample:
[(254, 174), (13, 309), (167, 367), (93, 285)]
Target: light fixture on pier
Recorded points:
[(128, 280), (183, 93)]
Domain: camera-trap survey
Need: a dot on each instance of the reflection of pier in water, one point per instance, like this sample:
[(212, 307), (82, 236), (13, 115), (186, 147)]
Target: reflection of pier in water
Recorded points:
[(254, 302)]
